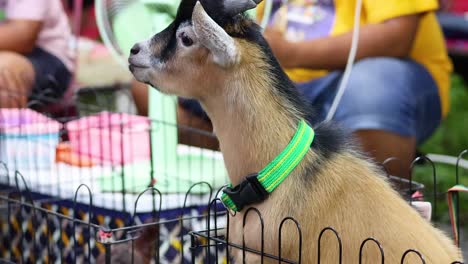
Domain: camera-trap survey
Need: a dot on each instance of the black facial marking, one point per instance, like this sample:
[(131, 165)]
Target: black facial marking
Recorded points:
[(166, 42), (167, 38)]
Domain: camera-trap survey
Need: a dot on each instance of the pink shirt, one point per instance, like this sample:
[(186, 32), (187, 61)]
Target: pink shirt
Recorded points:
[(55, 34)]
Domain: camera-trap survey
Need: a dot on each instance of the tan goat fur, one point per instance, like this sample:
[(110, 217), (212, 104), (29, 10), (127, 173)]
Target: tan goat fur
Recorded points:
[(340, 197)]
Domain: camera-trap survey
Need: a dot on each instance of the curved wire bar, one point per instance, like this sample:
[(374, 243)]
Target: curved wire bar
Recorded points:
[(415, 252), (28, 192), (382, 256), (434, 178), (154, 205), (190, 191), (340, 245), (214, 202), (184, 207), (90, 216), (155, 216), (29, 196), (299, 230), (262, 246)]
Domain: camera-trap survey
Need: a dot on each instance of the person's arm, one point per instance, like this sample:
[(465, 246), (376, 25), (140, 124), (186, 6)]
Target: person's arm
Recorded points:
[(19, 35), (392, 38)]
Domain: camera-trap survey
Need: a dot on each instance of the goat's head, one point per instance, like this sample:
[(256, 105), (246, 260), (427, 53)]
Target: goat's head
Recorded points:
[(201, 46)]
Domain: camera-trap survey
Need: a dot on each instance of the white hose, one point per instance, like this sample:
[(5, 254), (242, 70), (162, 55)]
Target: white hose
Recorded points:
[(350, 63), (266, 14)]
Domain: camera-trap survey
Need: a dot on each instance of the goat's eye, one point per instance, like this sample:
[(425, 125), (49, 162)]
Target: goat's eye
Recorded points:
[(186, 40)]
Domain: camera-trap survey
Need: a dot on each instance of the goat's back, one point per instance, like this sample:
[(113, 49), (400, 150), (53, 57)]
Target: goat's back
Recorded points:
[(361, 205), (350, 196)]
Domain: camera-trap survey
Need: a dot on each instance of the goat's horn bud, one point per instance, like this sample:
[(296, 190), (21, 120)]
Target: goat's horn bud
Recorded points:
[(234, 7)]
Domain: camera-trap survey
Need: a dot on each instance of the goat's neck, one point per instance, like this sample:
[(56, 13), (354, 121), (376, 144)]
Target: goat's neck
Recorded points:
[(252, 125)]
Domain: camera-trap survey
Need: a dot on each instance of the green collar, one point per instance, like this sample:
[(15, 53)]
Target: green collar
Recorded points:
[(256, 187)]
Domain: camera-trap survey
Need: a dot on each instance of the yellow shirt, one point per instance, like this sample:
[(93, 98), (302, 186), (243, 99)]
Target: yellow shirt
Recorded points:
[(428, 47)]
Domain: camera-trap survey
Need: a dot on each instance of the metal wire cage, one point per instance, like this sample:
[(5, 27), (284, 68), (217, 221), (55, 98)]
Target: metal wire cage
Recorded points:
[(106, 202), (73, 186), (42, 229)]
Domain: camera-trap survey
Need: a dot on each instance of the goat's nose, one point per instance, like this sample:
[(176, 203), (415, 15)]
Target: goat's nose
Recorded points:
[(135, 49)]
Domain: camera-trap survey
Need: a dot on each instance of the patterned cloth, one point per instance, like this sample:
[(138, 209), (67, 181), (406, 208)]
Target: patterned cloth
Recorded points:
[(31, 238)]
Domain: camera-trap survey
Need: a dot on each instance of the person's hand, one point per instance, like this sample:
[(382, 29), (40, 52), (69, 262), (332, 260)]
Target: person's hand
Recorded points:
[(281, 47), (14, 88)]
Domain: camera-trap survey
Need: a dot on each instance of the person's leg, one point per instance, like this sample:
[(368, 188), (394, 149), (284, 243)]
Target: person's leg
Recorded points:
[(379, 144), (389, 104), (188, 121), (382, 145), (16, 80), (399, 108), (140, 96), (190, 114)]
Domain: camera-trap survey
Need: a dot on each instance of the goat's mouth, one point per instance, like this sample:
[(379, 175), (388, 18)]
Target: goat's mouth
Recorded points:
[(139, 71), (139, 66), (132, 66), (135, 63)]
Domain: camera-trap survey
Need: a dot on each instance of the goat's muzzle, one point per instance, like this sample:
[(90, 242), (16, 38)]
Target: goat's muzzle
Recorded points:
[(133, 60), (140, 62)]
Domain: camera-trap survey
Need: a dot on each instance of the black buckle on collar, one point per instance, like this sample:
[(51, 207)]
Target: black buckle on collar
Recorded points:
[(249, 191)]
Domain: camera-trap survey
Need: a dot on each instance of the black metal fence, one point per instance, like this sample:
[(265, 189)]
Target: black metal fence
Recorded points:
[(38, 228), (119, 213)]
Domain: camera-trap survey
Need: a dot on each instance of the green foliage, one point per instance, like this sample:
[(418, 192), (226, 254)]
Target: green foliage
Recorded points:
[(451, 137)]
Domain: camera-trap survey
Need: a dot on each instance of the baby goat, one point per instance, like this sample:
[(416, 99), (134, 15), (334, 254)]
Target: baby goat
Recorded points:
[(215, 54)]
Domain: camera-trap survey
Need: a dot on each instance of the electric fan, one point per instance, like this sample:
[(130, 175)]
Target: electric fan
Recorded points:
[(106, 11)]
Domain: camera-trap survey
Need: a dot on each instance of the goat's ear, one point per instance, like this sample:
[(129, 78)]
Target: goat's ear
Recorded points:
[(212, 36), (234, 7)]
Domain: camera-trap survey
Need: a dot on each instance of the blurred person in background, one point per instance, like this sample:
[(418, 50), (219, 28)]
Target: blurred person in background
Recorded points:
[(35, 59), (398, 91)]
